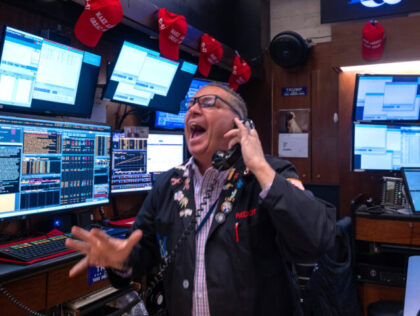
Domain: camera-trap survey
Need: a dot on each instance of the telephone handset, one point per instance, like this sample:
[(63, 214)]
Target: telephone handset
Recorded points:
[(224, 159)]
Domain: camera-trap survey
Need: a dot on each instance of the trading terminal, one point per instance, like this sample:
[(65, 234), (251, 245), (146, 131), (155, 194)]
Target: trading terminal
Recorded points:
[(333, 88)]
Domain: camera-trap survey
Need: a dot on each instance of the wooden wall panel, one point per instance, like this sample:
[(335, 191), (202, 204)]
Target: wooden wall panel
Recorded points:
[(324, 128), (402, 41), (291, 78)]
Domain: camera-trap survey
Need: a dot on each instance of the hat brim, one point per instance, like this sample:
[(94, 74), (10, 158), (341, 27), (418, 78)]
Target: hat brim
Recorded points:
[(372, 54), (85, 32)]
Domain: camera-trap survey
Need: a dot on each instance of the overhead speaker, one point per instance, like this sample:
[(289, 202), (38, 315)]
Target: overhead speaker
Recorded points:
[(288, 49)]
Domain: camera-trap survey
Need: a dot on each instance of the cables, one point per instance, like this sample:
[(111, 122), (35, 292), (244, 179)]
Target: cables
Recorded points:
[(18, 303)]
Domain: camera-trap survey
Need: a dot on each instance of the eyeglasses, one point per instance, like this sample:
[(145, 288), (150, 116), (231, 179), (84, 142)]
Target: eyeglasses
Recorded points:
[(209, 101)]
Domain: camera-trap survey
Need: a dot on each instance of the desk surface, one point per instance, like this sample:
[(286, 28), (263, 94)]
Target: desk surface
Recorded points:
[(10, 272), (389, 214)]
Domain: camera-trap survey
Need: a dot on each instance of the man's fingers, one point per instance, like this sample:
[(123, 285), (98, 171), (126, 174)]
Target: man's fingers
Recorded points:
[(77, 245), (81, 233), (134, 238), (79, 267), (102, 235)]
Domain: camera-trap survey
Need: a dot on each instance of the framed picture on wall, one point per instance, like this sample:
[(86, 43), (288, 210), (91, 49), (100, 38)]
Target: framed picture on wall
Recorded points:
[(293, 128)]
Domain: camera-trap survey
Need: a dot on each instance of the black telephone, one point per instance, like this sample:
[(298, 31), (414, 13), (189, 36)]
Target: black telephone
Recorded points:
[(224, 159)]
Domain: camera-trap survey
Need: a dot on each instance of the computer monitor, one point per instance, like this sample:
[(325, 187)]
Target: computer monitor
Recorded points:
[(169, 121), (40, 76), (411, 178), (386, 98), (165, 150), (51, 165), (129, 164), (142, 77), (385, 146)]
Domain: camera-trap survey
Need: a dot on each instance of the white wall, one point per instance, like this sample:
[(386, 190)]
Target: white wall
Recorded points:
[(301, 16)]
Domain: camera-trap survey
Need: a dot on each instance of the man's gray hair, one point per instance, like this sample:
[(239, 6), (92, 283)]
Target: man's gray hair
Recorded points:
[(233, 98)]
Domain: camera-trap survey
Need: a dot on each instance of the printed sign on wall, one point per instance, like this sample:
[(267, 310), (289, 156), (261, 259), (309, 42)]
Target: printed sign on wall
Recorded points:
[(345, 10)]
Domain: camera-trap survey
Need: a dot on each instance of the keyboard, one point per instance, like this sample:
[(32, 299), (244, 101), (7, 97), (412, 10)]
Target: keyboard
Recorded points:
[(35, 249), (31, 251)]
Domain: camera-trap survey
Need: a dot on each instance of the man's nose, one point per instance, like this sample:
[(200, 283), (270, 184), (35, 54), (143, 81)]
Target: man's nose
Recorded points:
[(195, 108)]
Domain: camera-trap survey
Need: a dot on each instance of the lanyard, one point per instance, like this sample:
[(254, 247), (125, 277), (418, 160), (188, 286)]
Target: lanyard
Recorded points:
[(205, 219)]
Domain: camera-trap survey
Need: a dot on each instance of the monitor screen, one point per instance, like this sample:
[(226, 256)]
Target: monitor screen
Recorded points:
[(52, 165), (129, 164), (412, 185), (41, 76), (164, 120), (387, 98), (144, 78), (385, 146), (165, 150)]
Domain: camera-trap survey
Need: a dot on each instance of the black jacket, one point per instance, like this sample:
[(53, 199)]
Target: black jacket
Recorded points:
[(245, 277)]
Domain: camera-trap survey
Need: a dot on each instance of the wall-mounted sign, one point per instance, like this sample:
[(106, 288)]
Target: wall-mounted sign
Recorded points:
[(345, 10), (288, 92)]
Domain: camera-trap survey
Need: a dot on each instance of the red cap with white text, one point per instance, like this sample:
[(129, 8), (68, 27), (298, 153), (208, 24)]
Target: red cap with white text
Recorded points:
[(172, 31), (97, 17), (373, 41), (211, 51), (241, 73)]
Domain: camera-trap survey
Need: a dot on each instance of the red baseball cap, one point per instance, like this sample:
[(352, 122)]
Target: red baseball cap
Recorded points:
[(373, 41), (241, 73), (97, 17), (172, 30), (211, 51)]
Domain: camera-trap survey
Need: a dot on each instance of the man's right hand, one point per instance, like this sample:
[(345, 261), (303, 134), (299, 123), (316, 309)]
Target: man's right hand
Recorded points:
[(101, 249)]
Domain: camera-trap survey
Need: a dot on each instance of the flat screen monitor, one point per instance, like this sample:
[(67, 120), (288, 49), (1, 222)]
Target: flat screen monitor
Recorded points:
[(385, 146), (165, 150), (411, 178), (143, 78), (164, 120), (386, 98), (40, 76), (52, 165), (129, 164)]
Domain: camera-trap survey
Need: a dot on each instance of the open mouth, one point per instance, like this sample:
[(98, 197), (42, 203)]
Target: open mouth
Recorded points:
[(196, 130)]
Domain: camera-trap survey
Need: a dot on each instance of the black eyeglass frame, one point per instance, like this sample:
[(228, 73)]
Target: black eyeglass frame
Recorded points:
[(195, 100)]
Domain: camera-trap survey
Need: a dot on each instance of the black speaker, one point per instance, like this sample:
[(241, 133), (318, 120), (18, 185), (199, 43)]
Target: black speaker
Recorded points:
[(288, 49)]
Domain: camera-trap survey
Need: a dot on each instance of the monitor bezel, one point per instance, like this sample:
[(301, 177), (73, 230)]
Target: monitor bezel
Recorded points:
[(75, 209), (387, 172), (52, 105), (110, 70), (407, 190), (356, 89)]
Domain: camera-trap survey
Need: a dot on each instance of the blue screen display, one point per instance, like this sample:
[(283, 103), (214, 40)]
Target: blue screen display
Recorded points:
[(41, 76), (385, 146), (387, 98), (176, 121), (52, 165)]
